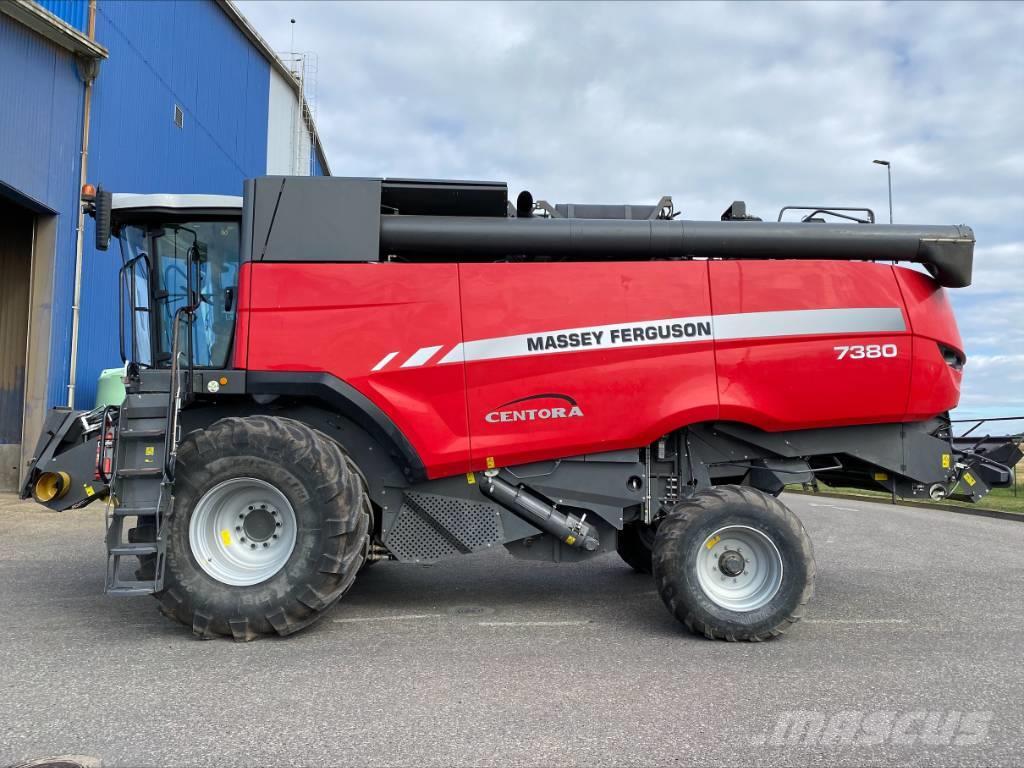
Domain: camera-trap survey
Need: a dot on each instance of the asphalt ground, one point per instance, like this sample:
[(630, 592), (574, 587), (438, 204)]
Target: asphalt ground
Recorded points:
[(910, 655)]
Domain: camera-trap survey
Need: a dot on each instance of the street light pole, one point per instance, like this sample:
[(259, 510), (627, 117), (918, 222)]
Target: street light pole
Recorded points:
[(888, 170)]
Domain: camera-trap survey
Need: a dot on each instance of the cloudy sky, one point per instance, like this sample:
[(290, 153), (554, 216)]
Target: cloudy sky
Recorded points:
[(771, 103)]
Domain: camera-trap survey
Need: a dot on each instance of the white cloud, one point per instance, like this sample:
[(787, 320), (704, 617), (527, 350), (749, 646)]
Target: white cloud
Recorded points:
[(772, 103), (997, 386), (1000, 268)]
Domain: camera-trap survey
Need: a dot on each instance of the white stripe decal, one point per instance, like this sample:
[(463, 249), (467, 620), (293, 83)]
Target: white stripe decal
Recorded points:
[(680, 330), (673, 330), (597, 337), (420, 356), (808, 322), (457, 355), (384, 361)]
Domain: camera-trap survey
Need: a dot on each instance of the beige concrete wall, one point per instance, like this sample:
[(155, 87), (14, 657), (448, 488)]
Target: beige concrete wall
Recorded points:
[(37, 369)]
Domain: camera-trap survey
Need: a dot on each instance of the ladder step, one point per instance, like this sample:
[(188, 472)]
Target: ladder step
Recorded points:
[(141, 472), (141, 434), (133, 511), (127, 550), (132, 588)]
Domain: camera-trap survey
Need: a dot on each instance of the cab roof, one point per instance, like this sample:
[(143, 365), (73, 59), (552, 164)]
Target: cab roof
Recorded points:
[(124, 201)]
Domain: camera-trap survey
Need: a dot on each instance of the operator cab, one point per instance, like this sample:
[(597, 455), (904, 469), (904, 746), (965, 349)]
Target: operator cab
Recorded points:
[(177, 251)]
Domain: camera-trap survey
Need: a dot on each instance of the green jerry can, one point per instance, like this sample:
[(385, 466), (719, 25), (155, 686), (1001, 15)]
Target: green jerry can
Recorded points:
[(110, 387)]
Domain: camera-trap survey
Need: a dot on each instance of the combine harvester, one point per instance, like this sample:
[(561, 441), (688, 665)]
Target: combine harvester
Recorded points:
[(332, 371)]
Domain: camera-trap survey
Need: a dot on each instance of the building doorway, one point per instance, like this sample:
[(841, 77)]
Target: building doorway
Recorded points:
[(17, 228)]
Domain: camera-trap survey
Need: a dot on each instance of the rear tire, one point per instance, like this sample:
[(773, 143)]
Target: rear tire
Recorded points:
[(734, 563), (268, 584)]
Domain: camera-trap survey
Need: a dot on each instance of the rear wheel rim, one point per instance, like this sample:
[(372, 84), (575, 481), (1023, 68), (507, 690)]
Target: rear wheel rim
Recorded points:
[(242, 531), (739, 568)]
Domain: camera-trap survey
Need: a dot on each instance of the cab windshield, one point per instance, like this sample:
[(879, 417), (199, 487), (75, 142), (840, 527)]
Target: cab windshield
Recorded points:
[(158, 286)]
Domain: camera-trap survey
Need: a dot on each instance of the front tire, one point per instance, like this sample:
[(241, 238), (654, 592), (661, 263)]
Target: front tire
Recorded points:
[(734, 563), (269, 528)]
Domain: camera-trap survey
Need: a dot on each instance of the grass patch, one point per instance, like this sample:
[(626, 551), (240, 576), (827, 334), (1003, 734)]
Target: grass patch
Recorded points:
[(1002, 499)]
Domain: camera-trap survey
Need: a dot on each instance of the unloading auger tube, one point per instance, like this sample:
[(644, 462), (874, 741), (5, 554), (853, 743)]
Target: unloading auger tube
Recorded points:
[(946, 251)]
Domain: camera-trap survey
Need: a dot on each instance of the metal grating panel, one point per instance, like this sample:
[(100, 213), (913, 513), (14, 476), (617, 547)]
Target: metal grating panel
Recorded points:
[(473, 525), (431, 527), (413, 538)]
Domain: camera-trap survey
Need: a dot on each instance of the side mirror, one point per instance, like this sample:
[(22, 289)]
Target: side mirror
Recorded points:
[(101, 212)]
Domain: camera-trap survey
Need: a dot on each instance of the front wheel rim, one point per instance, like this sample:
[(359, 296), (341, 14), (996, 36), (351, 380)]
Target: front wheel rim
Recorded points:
[(739, 568), (242, 531)]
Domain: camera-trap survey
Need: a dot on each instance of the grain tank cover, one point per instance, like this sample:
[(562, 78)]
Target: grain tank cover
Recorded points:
[(329, 218), (431, 197), (311, 218)]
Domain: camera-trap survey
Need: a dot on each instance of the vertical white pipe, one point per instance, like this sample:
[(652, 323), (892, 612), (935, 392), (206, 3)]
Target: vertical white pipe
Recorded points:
[(80, 230)]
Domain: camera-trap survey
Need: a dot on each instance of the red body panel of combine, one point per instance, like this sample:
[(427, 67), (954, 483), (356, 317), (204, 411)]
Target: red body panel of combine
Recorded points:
[(512, 363)]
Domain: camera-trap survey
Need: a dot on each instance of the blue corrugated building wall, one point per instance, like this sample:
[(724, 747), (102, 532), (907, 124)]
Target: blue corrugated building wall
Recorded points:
[(200, 56), (316, 168), (179, 52), (74, 12), (40, 142)]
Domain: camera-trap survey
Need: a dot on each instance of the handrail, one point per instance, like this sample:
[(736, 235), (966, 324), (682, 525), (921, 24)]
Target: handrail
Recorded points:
[(830, 210), (175, 395), (978, 422), (127, 273)]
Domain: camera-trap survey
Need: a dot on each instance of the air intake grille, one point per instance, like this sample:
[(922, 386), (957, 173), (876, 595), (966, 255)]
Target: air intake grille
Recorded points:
[(431, 527)]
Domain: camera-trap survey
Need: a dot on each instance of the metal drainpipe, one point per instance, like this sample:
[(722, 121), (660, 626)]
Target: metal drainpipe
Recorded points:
[(80, 230)]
